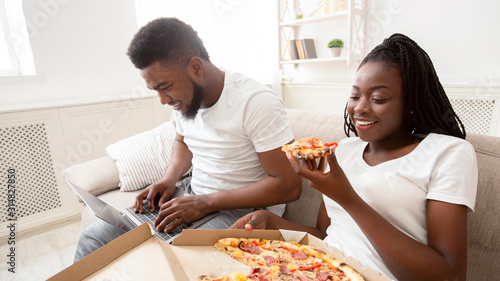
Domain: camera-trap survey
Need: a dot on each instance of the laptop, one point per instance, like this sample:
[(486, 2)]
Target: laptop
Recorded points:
[(128, 219)]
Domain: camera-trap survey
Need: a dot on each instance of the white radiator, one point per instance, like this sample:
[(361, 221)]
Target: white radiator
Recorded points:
[(32, 191), (26, 157), (477, 115)]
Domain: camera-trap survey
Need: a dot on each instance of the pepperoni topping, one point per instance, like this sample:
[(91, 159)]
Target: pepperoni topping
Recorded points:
[(299, 255), (258, 273), (301, 275), (251, 248), (322, 276), (270, 260)]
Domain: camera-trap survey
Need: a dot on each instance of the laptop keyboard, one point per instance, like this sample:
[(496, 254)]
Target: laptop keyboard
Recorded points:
[(150, 217)]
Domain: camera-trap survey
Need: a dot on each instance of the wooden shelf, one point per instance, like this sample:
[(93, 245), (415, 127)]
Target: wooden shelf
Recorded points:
[(347, 24), (316, 19), (313, 60)]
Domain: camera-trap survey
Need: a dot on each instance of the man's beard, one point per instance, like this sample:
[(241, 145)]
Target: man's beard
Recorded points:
[(195, 105)]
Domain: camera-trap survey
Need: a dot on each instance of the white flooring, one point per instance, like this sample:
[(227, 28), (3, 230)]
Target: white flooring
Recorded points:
[(42, 254)]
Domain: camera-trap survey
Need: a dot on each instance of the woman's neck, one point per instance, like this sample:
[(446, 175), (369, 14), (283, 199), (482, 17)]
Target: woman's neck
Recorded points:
[(382, 151)]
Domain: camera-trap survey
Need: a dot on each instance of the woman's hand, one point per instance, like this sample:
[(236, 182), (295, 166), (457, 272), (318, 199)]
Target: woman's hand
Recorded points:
[(333, 183), (255, 220)]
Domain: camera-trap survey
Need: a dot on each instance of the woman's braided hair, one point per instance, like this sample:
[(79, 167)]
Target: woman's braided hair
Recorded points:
[(427, 107)]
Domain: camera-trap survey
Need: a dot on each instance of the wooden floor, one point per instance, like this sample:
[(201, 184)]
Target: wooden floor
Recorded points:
[(42, 254)]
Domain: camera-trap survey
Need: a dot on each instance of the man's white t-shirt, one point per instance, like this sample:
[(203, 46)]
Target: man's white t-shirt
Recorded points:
[(440, 168), (224, 139)]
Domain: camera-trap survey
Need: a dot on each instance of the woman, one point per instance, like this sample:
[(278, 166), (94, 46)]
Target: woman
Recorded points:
[(396, 196)]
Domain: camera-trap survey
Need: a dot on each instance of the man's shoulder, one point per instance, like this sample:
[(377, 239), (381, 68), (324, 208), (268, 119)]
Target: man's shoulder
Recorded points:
[(245, 84)]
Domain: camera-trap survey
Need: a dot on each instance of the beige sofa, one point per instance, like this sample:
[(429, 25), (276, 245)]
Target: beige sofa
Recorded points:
[(100, 177)]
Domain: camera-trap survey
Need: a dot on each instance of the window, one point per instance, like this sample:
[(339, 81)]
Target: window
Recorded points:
[(16, 57)]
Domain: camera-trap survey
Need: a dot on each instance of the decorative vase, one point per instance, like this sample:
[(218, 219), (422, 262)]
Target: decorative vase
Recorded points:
[(336, 51)]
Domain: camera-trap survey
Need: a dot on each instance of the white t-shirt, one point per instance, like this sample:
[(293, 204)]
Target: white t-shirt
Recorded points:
[(225, 138), (441, 168)]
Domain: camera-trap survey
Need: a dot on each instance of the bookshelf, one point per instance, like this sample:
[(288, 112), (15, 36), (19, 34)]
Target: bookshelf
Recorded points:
[(303, 61), (320, 18), (346, 19)]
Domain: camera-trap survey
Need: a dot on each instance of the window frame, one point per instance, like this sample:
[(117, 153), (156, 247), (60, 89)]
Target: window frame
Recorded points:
[(15, 69), (17, 40)]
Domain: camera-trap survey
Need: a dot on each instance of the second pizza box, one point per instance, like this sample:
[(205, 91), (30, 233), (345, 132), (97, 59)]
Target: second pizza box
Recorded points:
[(140, 255)]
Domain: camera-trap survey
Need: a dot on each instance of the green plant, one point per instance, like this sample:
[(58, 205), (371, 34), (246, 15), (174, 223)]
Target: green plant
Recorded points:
[(336, 43)]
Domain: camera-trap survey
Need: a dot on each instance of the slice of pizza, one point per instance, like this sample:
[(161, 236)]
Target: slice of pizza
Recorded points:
[(309, 148), (280, 260)]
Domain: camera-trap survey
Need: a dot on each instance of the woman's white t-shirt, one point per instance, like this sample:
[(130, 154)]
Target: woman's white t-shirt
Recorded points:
[(224, 139), (441, 167)]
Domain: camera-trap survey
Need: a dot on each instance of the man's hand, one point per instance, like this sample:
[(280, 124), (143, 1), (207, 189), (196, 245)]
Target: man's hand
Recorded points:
[(181, 210), (159, 187)]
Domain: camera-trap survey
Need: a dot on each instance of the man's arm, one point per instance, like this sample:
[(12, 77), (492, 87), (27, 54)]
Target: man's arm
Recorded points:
[(281, 185), (180, 162)]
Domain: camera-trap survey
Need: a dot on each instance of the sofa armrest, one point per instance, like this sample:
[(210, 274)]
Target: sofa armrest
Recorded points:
[(95, 176)]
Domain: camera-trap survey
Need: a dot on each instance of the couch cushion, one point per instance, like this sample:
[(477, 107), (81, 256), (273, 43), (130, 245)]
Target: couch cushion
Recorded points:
[(304, 210), (484, 224), (95, 176), (143, 158), (327, 127)]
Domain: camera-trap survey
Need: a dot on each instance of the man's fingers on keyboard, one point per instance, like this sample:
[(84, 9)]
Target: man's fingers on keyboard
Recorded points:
[(138, 207), (163, 199), (170, 221), (151, 204), (177, 222), (164, 219)]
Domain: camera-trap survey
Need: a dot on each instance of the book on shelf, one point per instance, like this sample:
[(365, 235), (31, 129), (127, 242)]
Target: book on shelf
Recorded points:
[(292, 49), (300, 49), (309, 49)]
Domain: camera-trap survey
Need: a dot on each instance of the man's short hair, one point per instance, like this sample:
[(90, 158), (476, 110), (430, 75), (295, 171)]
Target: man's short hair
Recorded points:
[(167, 40)]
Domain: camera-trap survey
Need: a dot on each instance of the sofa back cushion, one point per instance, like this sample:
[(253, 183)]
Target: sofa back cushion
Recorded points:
[(328, 128), (483, 256)]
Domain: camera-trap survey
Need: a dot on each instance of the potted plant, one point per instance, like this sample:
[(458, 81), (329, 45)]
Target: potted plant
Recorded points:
[(336, 46)]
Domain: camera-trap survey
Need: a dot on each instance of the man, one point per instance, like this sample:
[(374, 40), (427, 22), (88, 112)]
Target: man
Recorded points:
[(229, 128)]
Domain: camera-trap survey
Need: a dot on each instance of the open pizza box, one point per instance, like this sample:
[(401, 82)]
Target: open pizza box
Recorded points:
[(140, 255)]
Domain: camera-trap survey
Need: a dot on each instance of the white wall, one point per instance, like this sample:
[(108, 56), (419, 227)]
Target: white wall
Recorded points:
[(461, 37), (239, 35), (79, 49), (79, 45)]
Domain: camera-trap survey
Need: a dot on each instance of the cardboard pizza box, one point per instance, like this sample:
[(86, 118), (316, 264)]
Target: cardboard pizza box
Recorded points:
[(140, 255)]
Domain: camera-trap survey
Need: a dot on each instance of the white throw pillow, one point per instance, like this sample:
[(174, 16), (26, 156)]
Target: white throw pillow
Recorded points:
[(142, 159)]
